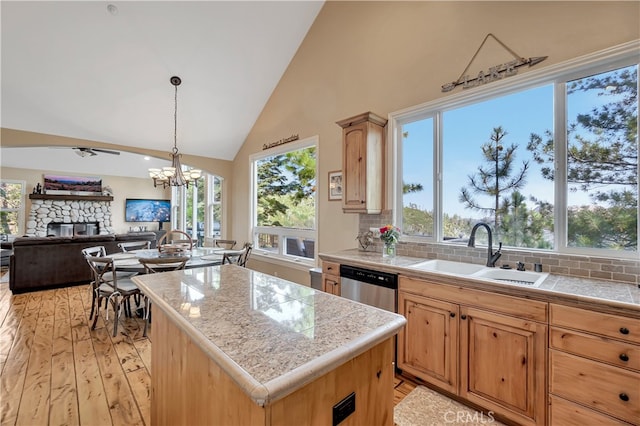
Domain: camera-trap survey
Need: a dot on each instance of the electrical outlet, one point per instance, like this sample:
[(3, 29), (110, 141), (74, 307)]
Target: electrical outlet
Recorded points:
[(344, 408)]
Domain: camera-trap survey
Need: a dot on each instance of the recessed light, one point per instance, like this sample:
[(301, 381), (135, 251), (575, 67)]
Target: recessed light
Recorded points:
[(112, 9), (147, 158)]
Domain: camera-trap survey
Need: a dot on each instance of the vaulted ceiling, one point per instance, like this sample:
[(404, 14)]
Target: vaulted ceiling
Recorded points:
[(100, 71)]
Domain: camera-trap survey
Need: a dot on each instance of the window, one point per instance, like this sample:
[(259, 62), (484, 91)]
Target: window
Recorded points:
[(491, 156), (11, 207), (197, 210), (284, 202), (214, 207)]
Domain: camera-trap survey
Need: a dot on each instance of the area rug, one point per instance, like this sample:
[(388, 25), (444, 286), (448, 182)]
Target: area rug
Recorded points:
[(424, 407)]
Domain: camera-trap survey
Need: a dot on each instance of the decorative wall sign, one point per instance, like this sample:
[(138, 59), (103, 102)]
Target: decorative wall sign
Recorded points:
[(494, 73), (280, 142)]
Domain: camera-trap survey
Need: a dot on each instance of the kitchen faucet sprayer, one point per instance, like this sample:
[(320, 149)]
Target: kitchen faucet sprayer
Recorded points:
[(492, 257)]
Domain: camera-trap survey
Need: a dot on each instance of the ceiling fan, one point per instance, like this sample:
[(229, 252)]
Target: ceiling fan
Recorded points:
[(87, 152)]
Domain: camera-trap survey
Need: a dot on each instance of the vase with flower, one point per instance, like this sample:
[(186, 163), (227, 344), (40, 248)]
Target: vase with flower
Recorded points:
[(389, 235)]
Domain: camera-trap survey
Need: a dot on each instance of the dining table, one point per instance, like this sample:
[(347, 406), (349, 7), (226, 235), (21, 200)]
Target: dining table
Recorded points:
[(198, 257)]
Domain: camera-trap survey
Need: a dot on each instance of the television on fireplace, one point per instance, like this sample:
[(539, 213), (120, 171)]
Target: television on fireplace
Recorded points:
[(147, 210)]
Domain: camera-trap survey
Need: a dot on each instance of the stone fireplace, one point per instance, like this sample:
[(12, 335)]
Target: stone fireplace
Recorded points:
[(92, 212)]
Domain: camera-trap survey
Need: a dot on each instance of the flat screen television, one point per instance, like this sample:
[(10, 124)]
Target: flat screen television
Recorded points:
[(146, 210)]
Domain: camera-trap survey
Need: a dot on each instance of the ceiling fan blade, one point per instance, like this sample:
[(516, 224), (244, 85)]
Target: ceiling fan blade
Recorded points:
[(105, 151)]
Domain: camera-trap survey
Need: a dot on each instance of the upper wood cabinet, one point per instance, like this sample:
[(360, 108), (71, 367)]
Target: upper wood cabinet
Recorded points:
[(363, 168)]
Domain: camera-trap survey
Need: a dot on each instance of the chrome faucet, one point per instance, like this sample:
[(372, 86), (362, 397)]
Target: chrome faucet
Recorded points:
[(492, 257)]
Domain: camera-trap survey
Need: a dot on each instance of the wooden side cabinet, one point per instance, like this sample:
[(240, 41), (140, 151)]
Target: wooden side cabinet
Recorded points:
[(331, 278), (487, 348), (363, 167)]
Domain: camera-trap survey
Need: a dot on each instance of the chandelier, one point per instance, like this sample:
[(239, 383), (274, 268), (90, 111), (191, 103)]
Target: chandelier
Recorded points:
[(174, 175)]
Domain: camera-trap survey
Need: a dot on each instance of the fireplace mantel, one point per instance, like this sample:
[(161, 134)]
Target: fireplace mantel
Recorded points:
[(70, 197)]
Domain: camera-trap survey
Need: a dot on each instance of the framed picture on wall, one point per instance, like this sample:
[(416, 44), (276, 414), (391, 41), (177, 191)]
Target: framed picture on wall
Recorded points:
[(335, 185)]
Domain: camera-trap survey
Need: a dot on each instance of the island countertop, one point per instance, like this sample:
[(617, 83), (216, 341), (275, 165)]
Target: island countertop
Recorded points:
[(270, 335)]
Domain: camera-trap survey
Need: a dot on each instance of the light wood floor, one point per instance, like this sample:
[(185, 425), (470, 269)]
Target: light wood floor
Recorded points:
[(55, 370)]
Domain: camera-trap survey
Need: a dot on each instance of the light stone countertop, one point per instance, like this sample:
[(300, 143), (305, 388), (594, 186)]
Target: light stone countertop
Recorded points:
[(270, 335), (555, 288)]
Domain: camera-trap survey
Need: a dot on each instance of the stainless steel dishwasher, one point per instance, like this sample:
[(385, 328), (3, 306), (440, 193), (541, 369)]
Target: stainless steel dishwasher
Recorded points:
[(379, 289)]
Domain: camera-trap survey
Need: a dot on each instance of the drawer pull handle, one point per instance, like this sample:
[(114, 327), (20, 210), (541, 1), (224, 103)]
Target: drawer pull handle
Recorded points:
[(464, 317), (624, 397), (624, 330), (452, 314), (624, 357)]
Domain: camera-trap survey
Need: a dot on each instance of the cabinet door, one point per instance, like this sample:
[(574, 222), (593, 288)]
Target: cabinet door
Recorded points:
[(428, 344), (331, 284), (503, 364), (355, 162)]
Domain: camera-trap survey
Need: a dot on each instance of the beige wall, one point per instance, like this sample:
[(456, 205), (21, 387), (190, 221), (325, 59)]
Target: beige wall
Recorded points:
[(387, 56), (123, 188)]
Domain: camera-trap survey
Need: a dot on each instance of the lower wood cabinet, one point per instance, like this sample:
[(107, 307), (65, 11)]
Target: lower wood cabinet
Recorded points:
[(331, 278), (428, 345), (473, 343)]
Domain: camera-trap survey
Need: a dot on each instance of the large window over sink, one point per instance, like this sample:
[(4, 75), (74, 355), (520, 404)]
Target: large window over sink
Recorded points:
[(548, 161), (284, 202)]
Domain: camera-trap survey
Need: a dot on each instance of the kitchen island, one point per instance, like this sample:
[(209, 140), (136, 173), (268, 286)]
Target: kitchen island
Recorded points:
[(235, 346)]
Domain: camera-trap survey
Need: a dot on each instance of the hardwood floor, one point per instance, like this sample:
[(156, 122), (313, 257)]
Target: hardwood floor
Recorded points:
[(55, 370)]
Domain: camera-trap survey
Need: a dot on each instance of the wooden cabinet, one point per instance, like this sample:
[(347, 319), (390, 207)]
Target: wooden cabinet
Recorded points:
[(331, 277), (363, 168), (428, 346), (487, 348), (504, 364), (594, 363)]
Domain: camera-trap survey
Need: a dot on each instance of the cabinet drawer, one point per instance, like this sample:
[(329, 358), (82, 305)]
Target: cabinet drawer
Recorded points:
[(615, 326), (331, 268), (612, 390), (563, 412), (595, 347)]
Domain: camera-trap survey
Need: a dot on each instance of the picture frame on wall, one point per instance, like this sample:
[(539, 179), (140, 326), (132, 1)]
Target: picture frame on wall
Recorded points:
[(335, 185), (72, 185)]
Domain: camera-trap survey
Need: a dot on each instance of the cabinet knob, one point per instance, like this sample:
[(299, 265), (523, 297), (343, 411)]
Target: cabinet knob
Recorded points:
[(452, 314), (624, 397), (361, 201), (464, 317), (624, 330), (624, 357)]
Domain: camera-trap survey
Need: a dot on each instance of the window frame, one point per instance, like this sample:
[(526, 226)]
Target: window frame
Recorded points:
[(282, 232), (558, 75), (22, 209)]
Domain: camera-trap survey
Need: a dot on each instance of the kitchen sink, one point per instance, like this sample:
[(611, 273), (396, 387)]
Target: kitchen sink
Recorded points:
[(448, 267), (510, 276), (506, 276)]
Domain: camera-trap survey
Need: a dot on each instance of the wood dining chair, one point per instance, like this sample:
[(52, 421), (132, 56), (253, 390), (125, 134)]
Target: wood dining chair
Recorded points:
[(225, 244), (175, 241), (114, 290), (239, 258), (134, 245), (100, 251), (155, 265)]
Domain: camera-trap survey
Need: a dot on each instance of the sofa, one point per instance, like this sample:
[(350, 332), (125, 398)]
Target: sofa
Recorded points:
[(39, 263)]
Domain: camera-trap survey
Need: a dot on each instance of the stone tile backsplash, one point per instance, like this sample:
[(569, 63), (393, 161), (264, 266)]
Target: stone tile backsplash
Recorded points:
[(600, 268)]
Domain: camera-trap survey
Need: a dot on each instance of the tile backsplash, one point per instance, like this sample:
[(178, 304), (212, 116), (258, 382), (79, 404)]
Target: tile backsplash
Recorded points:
[(600, 268)]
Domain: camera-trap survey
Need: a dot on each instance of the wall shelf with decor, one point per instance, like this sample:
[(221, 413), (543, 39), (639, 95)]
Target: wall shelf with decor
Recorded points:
[(70, 197)]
